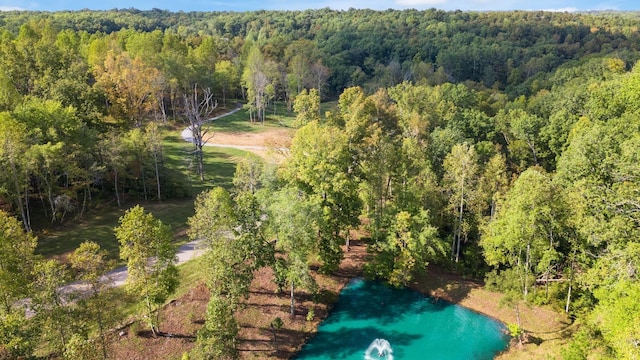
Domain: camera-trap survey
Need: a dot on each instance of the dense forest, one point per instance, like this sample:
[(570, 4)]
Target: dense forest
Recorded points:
[(501, 145)]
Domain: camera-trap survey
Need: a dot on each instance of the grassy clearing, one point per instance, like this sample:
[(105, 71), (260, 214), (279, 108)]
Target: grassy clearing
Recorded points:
[(220, 163), (97, 225), (219, 166), (191, 274), (276, 117), (328, 106)]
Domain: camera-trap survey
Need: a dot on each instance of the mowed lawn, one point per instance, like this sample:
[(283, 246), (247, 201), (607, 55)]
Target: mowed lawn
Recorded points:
[(276, 117), (98, 223)]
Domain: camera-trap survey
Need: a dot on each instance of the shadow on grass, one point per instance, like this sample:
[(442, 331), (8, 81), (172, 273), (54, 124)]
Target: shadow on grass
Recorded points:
[(150, 335), (98, 223), (442, 284)]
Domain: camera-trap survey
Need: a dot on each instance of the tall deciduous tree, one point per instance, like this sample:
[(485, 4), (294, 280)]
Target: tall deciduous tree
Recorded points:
[(412, 242), (92, 266), (227, 76), (54, 315), (130, 85), (213, 224), (319, 75), (17, 334), (153, 137), (527, 128), (16, 262), (9, 96), (146, 245), (320, 165), (292, 217), (492, 185), (113, 153), (307, 107), (13, 146), (461, 175), (258, 74), (235, 248), (528, 230), (246, 179)]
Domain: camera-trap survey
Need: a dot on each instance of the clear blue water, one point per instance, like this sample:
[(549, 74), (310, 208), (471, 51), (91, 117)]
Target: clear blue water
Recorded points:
[(416, 327)]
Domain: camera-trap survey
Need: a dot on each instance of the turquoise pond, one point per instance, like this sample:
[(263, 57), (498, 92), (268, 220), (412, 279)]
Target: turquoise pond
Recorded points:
[(416, 327)]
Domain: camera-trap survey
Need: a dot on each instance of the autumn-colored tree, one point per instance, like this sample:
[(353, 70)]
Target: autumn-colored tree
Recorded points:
[(130, 85)]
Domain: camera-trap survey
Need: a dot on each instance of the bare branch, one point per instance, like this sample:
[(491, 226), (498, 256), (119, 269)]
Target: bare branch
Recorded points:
[(199, 108)]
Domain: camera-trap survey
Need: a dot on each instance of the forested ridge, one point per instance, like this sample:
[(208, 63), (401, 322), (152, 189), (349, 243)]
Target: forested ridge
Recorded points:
[(503, 146)]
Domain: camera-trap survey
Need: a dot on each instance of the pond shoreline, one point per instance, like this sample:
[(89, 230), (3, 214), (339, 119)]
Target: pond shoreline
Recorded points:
[(405, 322), (543, 324), (186, 314)]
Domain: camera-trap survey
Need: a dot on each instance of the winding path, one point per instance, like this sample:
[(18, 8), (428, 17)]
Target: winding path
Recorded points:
[(118, 277), (186, 252)]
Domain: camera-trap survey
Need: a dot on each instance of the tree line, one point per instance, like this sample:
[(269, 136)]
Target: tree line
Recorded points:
[(127, 80)]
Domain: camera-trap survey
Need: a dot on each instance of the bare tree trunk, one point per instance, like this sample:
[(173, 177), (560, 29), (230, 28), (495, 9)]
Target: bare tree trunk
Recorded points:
[(201, 162), (155, 163), (26, 205), (198, 111), (566, 308), (84, 199), (115, 182), (292, 309), (50, 197), (459, 232), (348, 240), (533, 150), (224, 96), (526, 271), (103, 341), (162, 108), (172, 101), (144, 180), (518, 322)]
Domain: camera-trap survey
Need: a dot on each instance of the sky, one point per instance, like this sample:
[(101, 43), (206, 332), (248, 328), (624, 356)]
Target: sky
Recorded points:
[(249, 5)]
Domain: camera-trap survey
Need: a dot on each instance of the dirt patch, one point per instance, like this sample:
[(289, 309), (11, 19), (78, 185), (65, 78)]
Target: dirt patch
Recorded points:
[(181, 319), (270, 138), (272, 145), (184, 316)]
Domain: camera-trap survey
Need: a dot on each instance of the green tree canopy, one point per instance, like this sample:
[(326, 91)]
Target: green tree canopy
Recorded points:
[(146, 245)]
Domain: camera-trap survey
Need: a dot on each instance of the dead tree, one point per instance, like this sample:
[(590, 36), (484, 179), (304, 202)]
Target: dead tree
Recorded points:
[(199, 107)]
